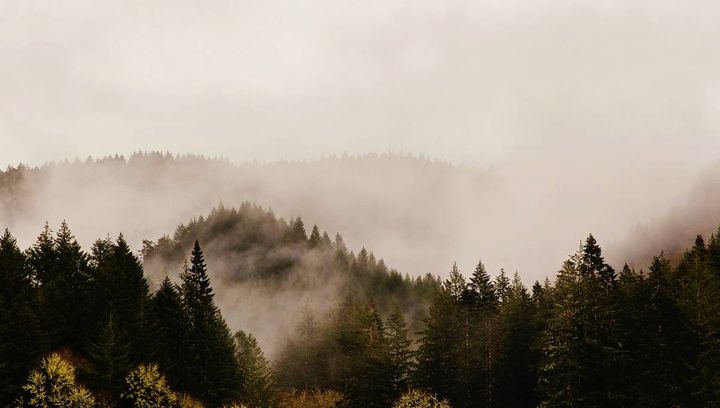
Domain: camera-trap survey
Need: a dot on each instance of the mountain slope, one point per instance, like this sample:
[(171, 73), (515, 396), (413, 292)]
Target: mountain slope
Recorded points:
[(266, 271)]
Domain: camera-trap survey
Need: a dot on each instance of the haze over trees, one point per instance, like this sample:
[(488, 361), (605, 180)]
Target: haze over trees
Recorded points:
[(420, 214), (88, 328)]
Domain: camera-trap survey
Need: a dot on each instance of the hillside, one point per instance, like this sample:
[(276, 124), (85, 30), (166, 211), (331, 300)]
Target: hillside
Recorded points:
[(268, 271), (412, 209)]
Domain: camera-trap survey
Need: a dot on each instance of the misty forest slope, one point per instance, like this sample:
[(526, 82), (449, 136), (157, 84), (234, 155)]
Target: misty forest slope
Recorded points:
[(419, 213), (88, 329), (267, 271), (697, 213), (384, 201), (274, 313)]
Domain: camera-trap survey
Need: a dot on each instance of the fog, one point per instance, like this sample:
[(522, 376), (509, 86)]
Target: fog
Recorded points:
[(551, 120)]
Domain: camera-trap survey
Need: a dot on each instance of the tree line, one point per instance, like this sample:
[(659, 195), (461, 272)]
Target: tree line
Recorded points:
[(84, 329)]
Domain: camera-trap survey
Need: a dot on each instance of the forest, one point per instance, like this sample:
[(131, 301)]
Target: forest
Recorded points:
[(92, 329)]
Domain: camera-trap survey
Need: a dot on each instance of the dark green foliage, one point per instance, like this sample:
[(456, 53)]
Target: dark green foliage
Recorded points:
[(211, 371), (170, 327), (20, 335), (399, 352), (109, 352), (521, 325), (594, 338), (61, 271), (119, 288), (361, 359), (582, 345), (257, 385)]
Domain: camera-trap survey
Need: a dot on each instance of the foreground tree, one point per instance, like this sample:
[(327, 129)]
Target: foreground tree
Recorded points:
[(212, 372), (420, 399), (255, 375), (582, 346), (20, 336), (398, 345), (53, 384), (145, 387)]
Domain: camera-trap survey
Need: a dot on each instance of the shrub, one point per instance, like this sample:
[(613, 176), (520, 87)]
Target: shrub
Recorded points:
[(53, 384), (420, 399)]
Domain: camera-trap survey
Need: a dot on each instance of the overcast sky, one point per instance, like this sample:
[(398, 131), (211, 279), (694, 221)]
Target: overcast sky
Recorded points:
[(475, 82)]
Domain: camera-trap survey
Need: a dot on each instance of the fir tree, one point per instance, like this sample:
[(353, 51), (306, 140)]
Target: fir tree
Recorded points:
[(582, 345), (110, 354), (255, 375), (482, 288), (401, 359), (315, 237), (171, 328), (212, 372)]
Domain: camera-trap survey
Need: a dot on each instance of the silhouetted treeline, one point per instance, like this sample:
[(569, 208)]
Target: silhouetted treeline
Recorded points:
[(85, 329)]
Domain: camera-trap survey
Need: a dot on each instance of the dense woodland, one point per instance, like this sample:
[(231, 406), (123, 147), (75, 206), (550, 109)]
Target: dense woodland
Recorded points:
[(90, 328)]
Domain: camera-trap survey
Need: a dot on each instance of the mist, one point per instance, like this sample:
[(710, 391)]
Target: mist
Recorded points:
[(584, 117), (427, 132)]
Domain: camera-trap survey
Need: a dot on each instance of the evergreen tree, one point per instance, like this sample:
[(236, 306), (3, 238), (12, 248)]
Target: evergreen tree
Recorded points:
[(301, 363), (212, 372), (110, 354), (582, 345), (256, 377), (482, 288), (315, 237), (171, 327), (363, 363), (14, 278), (700, 302), (439, 343), (401, 359), (517, 375), (502, 286), (456, 286), (19, 334), (60, 269), (119, 288)]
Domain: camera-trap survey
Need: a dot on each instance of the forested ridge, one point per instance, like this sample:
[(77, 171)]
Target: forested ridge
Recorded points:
[(92, 328)]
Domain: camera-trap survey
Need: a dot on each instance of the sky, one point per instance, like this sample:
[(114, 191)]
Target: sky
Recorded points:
[(570, 103), (478, 83)]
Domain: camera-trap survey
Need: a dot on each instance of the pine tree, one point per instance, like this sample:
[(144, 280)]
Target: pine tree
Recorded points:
[(60, 269), (482, 288), (14, 278), (110, 354), (315, 237), (502, 286), (700, 301), (212, 372), (119, 288), (301, 362), (297, 231), (19, 334), (456, 286), (171, 326), (42, 257), (437, 354), (255, 375), (516, 366), (363, 361), (339, 244), (582, 344), (401, 359)]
